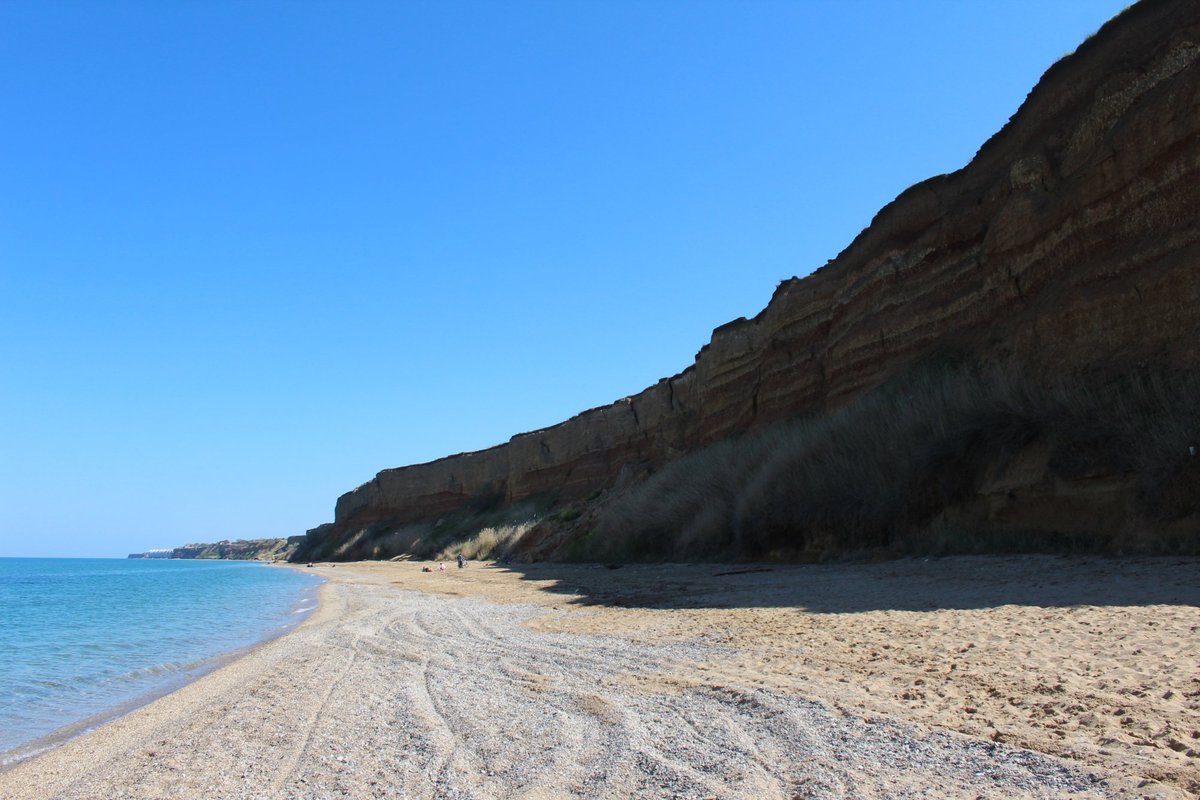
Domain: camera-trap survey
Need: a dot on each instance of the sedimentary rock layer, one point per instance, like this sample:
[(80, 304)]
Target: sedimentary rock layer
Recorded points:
[(1072, 236)]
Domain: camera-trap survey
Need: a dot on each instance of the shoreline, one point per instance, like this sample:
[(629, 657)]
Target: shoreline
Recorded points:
[(47, 743), (412, 684)]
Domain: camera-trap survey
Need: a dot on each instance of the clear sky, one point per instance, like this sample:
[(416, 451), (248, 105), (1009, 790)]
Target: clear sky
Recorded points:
[(252, 253)]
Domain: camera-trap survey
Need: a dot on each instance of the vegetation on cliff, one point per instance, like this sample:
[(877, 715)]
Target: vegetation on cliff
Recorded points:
[(241, 549), (963, 460), (946, 459), (483, 529)]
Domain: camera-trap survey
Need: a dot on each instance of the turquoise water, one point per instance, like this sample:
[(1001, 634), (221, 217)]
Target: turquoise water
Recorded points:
[(82, 637)]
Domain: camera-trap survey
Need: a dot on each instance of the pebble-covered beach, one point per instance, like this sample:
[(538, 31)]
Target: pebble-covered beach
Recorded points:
[(664, 682)]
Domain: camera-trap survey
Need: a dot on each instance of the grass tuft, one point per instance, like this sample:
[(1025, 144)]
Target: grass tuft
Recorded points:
[(489, 543)]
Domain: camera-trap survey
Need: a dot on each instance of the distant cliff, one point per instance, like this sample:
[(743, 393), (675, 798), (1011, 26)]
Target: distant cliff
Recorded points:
[(160, 553), (1071, 239), (240, 550)]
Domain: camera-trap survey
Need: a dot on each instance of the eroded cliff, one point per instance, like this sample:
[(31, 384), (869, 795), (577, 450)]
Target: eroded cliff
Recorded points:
[(1070, 239), (241, 549)]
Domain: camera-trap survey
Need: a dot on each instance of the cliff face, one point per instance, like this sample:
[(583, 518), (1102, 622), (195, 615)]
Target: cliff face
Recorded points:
[(1070, 238)]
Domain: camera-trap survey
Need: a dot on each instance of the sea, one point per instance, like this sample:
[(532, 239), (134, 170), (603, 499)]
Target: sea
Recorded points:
[(84, 640)]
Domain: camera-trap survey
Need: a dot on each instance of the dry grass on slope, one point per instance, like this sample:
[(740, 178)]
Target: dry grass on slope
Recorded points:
[(881, 474)]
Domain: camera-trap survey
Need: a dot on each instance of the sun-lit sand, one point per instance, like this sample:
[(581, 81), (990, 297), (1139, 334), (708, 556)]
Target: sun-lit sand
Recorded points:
[(691, 680)]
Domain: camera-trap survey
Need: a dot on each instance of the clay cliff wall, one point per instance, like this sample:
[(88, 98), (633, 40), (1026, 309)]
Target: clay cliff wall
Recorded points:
[(1071, 237)]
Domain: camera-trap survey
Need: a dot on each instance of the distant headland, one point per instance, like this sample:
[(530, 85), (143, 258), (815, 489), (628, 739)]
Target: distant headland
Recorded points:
[(238, 550)]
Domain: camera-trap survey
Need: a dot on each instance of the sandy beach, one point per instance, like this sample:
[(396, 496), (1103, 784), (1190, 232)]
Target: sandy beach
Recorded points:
[(960, 677)]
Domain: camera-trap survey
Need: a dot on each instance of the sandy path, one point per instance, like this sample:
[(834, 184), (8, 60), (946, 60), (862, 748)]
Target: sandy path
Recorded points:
[(500, 684)]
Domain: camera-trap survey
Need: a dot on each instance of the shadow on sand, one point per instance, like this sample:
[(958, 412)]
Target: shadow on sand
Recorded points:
[(914, 584)]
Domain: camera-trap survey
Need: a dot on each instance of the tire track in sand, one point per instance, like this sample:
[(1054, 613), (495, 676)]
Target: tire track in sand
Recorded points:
[(293, 759)]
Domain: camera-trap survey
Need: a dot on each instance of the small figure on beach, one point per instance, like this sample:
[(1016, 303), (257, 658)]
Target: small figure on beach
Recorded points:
[(442, 567), (462, 562)]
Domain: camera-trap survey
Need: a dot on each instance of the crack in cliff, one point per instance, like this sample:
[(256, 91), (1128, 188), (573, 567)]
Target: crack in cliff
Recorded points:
[(1016, 279), (823, 380)]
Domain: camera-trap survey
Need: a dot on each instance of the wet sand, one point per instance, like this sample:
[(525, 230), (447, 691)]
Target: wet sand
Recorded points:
[(991, 677)]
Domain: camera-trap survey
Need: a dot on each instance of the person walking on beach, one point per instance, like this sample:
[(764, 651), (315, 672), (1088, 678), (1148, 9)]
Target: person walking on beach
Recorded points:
[(462, 562)]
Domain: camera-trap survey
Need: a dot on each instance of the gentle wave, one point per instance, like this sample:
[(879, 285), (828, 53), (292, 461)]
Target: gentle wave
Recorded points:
[(83, 637)]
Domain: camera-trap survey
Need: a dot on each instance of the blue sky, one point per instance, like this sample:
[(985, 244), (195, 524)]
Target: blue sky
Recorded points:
[(252, 253)]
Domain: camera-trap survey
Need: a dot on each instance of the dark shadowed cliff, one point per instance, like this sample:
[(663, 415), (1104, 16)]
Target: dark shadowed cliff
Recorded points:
[(1069, 241)]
